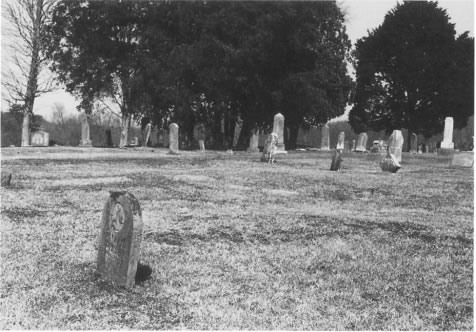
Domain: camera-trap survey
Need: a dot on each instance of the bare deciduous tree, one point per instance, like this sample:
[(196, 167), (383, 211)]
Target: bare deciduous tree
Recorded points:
[(24, 76)]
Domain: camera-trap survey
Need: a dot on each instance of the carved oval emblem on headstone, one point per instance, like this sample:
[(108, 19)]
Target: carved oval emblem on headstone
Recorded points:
[(120, 239)]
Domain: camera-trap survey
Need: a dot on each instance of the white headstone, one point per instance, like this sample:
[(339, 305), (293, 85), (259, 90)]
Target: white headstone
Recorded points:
[(447, 142), (173, 138), (361, 143), (341, 141), (278, 128), (85, 134), (395, 145), (254, 139)]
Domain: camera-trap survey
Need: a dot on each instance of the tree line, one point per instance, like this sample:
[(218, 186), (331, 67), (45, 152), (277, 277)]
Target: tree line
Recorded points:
[(222, 62)]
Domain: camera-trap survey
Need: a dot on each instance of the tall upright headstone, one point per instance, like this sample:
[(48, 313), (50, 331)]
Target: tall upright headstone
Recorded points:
[(278, 128), (120, 239), (353, 145), (200, 134), (395, 145), (146, 134), (447, 142), (173, 138), (254, 140), (85, 134), (341, 141), (325, 137), (413, 143), (361, 143)]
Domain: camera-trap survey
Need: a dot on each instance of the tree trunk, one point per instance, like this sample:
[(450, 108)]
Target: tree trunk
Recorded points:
[(32, 84), (125, 124), (244, 139)]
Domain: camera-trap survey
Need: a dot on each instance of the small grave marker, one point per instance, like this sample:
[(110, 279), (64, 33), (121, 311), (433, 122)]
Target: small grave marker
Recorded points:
[(120, 239), (325, 137), (270, 148), (462, 159), (336, 164)]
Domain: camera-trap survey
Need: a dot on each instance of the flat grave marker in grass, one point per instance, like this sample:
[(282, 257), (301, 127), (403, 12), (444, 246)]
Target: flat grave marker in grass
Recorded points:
[(462, 159), (120, 239)]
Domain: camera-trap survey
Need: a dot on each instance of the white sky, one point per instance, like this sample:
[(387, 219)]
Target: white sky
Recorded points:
[(361, 16)]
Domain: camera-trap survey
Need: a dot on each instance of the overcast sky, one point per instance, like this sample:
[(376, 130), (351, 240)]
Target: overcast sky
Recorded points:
[(361, 16)]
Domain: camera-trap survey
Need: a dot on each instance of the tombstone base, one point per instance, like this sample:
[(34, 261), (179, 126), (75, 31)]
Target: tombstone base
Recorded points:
[(252, 150), (86, 142), (462, 159), (447, 145), (445, 152), (280, 147)]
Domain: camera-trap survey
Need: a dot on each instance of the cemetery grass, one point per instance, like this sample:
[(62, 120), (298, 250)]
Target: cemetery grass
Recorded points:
[(239, 244)]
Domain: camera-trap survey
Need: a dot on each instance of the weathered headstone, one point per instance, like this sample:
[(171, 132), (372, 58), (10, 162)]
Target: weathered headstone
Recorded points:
[(40, 138), (353, 145), (336, 164), (278, 128), (146, 134), (340, 141), (134, 141), (120, 239), (413, 143), (6, 179), (420, 149), (174, 138), (361, 143), (462, 159), (270, 148), (254, 140), (85, 134), (325, 137), (395, 145), (447, 142), (236, 133), (347, 146), (390, 164), (109, 142), (200, 135)]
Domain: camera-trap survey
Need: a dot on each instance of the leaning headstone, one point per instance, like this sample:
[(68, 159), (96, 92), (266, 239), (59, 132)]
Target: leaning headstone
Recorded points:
[(336, 164), (6, 179), (447, 142), (462, 159), (120, 239), (340, 141), (361, 143), (390, 164), (109, 143), (146, 134), (254, 140), (85, 134), (40, 138), (325, 137), (278, 128), (395, 145), (413, 143), (270, 148), (173, 138)]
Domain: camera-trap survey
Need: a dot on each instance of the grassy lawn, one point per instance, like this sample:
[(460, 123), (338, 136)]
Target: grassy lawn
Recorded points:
[(239, 244)]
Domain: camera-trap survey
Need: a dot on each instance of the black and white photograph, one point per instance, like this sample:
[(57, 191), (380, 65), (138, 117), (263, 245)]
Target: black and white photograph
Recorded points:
[(237, 165)]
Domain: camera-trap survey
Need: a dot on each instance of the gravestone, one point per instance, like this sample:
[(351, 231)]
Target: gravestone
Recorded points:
[(447, 142), (390, 164), (173, 138), (353, 145), (236, 134), (347, 146), (278, 128), (462, 159), (340, 141), (325, 137), (146, 134), (40, 138), (395, 145), (361, 143), (6, 179), (336, 164), (270, 148), (120, 239), (200, 135), (109, 142), (420, 149), (254, 140), (413, 143), (85, 134), (134, 141)]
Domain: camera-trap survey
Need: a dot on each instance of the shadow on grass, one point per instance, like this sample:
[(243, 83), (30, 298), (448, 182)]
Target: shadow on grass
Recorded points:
[(317, 228)]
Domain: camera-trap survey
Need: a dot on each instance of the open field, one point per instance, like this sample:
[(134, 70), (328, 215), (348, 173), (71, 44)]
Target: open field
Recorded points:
[(239, 244)]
